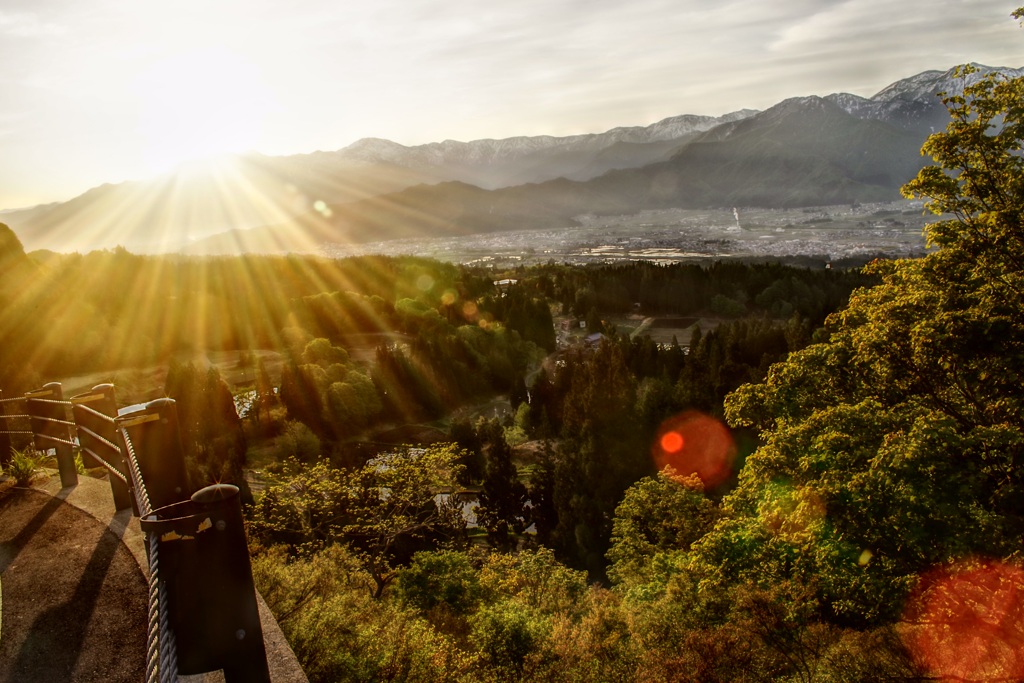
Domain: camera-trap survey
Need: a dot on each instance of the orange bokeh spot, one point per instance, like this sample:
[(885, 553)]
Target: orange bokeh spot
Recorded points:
[(967, 621), (672, 442), (694, 443)]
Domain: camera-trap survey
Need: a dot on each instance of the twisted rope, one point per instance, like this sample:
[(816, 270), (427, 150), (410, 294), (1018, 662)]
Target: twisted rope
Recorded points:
[(161, 653), (12, 417), (45, 400), (113, 470), (11, 400), (95, 413), (3, 431), (54, 420), (57, 439), (141, 496), (112, 446)]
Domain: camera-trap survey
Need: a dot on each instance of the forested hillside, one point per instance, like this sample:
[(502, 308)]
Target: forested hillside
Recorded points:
[(873, 534)]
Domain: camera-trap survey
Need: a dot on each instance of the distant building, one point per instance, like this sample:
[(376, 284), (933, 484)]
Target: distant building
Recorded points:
[(503, 285)]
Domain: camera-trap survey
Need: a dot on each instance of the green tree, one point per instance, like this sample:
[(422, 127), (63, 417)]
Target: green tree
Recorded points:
[(392, 508), (660, 515), (340, 634), (266, 399), (502, 510), (465, 436), (602, 452), (444, 577), (385, 511), (898, 444), (507, 633), (297, 441), (212, 436), (351, 405), (321, 352)]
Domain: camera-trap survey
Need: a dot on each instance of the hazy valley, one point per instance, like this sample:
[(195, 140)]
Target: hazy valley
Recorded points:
[(803, 152)]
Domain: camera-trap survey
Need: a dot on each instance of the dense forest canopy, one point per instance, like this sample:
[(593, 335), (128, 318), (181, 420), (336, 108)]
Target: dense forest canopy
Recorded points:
[(68, 314)]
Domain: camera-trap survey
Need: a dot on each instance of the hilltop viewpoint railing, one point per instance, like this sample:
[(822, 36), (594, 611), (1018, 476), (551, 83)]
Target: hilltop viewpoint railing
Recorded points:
[(203, 613)]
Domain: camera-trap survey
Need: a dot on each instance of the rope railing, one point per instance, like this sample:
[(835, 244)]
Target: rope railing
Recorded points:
[(113, 471), (161, 656), (56, 421), (109, 444), (92, 411), (7, 429), (48, 401), (11, 418), (56, 439), (197, 554)]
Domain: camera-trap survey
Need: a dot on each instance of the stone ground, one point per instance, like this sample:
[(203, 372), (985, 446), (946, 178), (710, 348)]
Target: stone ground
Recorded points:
[(73, 596)]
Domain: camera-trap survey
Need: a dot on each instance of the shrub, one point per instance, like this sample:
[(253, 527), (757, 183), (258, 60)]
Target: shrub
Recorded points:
[(443, 577), (507, 633), (298, 441), (23, 466)]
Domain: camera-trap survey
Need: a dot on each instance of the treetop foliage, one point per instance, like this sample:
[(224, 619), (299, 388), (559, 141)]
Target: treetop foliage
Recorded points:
[(897, 446), (874, 530)]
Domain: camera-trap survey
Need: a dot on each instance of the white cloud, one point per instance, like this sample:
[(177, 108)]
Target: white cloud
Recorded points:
[(28, 25), (415, 71)]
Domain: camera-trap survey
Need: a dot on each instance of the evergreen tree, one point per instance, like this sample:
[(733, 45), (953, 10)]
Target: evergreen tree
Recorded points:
[(266, 399), (543, 510), (464, 435), (502, 510)]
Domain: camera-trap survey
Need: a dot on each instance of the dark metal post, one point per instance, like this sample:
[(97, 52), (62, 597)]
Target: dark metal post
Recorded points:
[(212, 599), (153, 430), (102, 400), (5, 439), (49, 434)]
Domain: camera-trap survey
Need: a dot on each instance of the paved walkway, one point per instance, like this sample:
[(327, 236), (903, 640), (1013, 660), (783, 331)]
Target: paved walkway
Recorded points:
[(73, 597)]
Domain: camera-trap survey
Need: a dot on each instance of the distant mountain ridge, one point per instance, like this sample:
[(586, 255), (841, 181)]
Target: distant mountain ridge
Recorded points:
[(493, 163), (911, 103), (803, 151), (489, 150)]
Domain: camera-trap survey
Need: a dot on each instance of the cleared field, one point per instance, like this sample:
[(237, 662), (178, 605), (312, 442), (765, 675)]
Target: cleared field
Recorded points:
[(662, 329)]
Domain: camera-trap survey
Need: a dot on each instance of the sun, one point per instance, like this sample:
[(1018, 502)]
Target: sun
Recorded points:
[(197, 104)]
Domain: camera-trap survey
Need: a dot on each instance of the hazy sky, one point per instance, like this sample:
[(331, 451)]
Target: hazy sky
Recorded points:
[(95, 91)]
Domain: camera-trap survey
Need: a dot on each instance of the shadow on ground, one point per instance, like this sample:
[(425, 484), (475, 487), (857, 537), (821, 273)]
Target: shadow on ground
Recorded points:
[(74, 598)]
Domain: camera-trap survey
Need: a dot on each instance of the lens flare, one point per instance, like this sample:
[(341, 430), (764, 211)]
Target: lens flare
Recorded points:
[(694, 443), (321, 207), (424, 282), (672, 442), (966, 622)]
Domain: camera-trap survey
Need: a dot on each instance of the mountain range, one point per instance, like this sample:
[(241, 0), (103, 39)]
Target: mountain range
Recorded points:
[(804, 151)]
